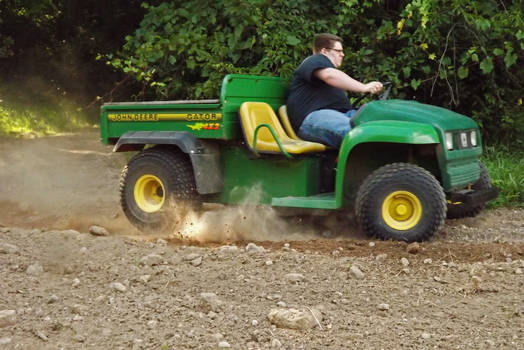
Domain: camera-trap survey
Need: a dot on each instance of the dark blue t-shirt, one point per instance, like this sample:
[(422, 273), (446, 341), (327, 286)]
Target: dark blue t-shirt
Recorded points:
[(308, 93)]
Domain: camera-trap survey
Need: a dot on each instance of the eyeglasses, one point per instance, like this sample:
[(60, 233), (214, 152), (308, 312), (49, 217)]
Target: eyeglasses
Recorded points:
[(337, 50)]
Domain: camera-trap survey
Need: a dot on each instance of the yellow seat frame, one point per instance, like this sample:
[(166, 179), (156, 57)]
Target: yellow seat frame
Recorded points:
[(264, 133)]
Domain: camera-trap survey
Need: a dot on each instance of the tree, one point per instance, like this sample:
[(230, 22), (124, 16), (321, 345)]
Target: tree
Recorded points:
[(455, 53)]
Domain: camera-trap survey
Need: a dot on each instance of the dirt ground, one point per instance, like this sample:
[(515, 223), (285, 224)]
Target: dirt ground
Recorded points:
[(235, 277)]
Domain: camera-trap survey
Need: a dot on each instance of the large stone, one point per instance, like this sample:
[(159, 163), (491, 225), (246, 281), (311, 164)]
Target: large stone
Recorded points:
[(210, 302), (5, 340), (118, 287), (98, 231), (34, 269), (7, 318), (197, 261), (191, 257), (253, 248), (228, 249), (356, 272), (6, 248), (295, 319), (151, 260), (413, 248), (294, 277)]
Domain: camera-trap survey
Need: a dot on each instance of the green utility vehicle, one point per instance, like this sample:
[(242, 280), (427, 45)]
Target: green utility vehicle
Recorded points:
[(402, 168)]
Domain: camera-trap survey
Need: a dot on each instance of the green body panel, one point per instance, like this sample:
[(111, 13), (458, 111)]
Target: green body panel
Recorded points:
[(458, 167), (413, 111), (259, 180), (390, 131), (236, 89), (319, 201), (201, 120)]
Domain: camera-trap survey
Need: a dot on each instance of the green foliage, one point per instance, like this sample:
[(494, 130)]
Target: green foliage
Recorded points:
[(184, 48), (460, 54), (33, 115), (506, 169)]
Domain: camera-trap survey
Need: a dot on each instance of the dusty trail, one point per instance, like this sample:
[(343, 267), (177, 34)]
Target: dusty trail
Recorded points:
[(71, 182), (61, 287)]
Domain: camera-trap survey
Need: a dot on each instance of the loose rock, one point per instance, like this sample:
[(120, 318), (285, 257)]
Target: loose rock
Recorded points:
[(224, 344), (404, 262), (7, 318), (151, 260), (118, 287), (253, 248), (98, 231), (5, 341), (76, 283), (356, 272), (294, 277), (191, 257), (294, 319), (161, 242), (197, 261), (413, 248), (275, 343), (383, 307), (6, 248), (210, 302), (228, 249), (475, 280), (34, 269)]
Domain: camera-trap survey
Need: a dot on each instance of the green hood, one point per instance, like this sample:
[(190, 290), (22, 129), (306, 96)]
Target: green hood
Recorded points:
[(413, 111)]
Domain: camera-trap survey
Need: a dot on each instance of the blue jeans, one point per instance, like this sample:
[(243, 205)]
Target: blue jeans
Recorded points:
[(326, 126)]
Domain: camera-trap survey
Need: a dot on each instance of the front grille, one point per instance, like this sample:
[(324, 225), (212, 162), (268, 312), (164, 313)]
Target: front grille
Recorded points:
[(463, 174)]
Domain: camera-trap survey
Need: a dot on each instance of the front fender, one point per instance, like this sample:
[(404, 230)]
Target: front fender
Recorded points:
[(384, 131)]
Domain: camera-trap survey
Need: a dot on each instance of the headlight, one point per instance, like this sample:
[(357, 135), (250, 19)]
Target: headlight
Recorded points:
[(449, 140), (473, 138)]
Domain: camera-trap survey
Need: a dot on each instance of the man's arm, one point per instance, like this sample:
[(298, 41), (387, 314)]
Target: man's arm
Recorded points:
[(341, 80)]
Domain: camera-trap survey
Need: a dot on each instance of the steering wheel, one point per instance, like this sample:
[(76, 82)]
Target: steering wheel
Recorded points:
[(383, 96)]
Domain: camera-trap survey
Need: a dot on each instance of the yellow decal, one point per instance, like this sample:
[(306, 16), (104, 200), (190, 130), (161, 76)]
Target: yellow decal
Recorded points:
[(154, 117), (205, 126)]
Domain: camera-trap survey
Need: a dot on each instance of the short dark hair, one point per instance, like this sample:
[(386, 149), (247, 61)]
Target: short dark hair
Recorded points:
[(325, 40)]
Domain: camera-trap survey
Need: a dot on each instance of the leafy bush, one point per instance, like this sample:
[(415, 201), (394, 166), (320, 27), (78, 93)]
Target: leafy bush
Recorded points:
[(506, 169), (459, 54)]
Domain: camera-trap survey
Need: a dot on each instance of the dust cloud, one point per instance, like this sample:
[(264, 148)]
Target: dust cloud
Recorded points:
[(56, 181), (231, 223), (71, 181)]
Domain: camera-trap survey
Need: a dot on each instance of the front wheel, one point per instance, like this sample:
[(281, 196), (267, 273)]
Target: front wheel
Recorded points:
[(401, 201), (150, 181)]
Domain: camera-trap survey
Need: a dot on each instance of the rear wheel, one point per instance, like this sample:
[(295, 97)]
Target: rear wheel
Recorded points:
[(401, 201), (462, 210), (150, 181)]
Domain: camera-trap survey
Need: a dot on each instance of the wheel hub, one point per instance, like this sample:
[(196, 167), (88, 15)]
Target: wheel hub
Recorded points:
[(401, 210), (149, 193)]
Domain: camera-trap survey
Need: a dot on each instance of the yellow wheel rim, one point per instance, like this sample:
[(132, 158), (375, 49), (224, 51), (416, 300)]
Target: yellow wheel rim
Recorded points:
[(149, 193), (401, 210)]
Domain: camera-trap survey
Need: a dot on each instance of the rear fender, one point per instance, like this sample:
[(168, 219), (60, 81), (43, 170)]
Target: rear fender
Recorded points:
[(205, 156), (387, 131)]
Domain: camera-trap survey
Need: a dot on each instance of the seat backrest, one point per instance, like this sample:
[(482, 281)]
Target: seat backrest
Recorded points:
[(252, 115), (282, 112)]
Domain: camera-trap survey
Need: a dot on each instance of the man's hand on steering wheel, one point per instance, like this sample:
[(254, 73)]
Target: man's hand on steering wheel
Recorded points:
[(382, 96), (373, 88)]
